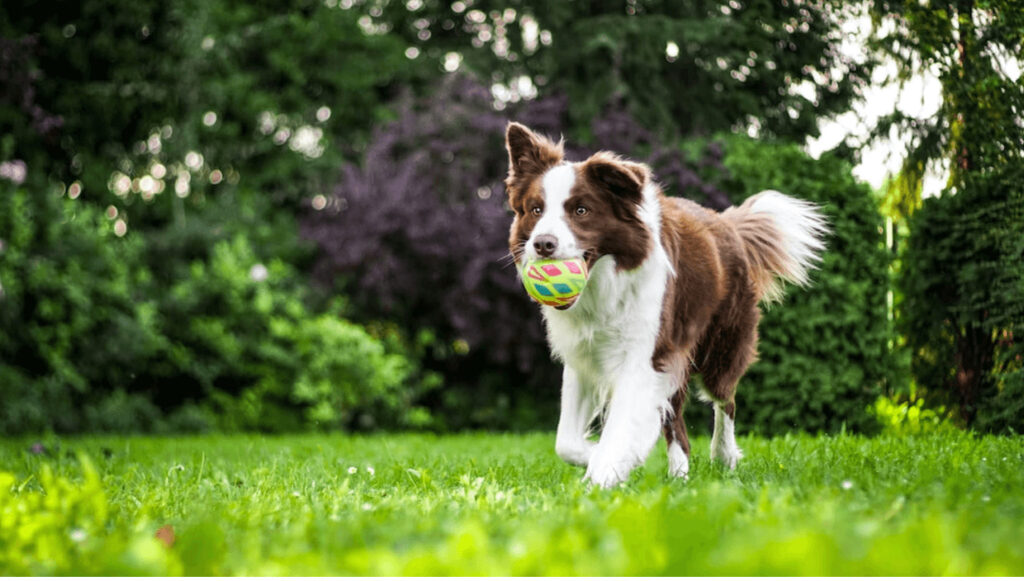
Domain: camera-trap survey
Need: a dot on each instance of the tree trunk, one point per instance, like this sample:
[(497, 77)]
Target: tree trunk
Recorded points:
[(965, 42), (973, 357)]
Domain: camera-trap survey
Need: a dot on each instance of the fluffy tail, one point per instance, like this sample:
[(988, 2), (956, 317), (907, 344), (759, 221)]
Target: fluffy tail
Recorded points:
[(783, 237)]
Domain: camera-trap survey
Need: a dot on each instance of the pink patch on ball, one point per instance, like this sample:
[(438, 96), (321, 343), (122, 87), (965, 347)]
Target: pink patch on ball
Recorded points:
[(551, 269)]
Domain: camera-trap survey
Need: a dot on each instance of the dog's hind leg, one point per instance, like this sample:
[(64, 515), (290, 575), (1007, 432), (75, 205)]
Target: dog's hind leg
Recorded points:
[(675, 436), (730, 353), (723, 440)]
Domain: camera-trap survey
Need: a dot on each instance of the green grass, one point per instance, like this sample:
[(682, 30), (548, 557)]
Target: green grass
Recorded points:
[(480, 504)]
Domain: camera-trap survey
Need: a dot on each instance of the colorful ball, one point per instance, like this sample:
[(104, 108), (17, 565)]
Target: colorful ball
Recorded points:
[(556, 283)]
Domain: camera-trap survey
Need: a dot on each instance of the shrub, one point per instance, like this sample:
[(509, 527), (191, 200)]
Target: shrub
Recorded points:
[(242, 335), (912, 416), (962, 305), (93, 341), (75, 325)]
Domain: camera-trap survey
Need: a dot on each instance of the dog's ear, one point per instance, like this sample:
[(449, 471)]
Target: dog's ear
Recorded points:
[(625, 180), (529, 154)]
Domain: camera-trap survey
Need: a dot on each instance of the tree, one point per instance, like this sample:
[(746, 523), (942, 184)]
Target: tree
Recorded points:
[(962, 281), (677, 67), (275, 97), (970, 45)]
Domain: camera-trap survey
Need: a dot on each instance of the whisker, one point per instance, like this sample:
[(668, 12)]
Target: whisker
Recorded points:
[(515, 255)]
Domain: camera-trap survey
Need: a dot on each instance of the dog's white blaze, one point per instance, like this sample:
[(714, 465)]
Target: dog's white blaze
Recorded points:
[(556, 184), (723, 439), (678, 463)]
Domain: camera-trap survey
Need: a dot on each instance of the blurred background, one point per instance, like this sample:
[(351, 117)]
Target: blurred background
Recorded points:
[(289, 216)]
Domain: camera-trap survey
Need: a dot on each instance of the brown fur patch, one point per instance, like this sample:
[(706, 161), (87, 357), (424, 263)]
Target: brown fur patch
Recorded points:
[(529, 156), (725, 264), (610, 191), (674, 428), (693, 296)]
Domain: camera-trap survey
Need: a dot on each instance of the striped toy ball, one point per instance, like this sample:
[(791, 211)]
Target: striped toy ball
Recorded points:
[(556, 283)]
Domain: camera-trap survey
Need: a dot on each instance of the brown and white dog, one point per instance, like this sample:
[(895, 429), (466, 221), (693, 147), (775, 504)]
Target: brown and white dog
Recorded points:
[(673, 290)]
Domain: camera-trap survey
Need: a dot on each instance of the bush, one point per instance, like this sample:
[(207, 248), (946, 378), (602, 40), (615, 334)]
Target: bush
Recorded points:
[(94, 342), (824, 352), (912, 416), (242, 335), (962, 305), (75, 325)]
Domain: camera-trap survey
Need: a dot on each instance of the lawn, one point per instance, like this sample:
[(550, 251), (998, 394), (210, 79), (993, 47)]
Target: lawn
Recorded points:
[(482, 504)]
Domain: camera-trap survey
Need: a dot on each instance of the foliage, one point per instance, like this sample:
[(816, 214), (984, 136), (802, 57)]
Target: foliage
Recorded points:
[(910, 417), (506, 505), (824, 352), (677, 67), (93, 341), (964, 43), (962, 309), (202, 180), (278, 88), (241, 329), (386, 234), (961, 274), (74, 325), (18, 91)]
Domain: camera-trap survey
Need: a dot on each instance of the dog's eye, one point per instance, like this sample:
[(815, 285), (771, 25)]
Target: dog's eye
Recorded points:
[(581, 211), (537, 211)]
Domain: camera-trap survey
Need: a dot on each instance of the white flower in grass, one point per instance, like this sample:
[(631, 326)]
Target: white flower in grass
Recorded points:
[(352, 470), (846, 484), (367, 506), (78, 535), (370, 470)]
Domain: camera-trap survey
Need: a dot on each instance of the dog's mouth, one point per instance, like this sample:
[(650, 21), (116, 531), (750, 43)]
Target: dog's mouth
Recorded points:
[(589, 257)]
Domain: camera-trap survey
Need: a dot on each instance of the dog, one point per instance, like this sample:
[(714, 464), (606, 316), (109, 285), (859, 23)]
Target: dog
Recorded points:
[(673, 289)]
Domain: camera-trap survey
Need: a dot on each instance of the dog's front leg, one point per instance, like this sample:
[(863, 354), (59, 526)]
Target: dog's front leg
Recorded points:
[(571, 443), (632, 428)]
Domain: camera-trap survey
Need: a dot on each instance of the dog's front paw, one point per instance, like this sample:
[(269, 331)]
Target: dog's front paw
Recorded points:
[(577, 453), (605, 471)]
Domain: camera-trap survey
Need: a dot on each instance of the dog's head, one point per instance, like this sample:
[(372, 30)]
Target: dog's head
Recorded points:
[(586, 210)]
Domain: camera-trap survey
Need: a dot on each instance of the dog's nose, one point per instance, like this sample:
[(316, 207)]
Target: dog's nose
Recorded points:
[(545, 245)]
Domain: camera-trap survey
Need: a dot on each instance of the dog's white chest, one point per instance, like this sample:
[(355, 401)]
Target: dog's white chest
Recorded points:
[(614, 325)]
